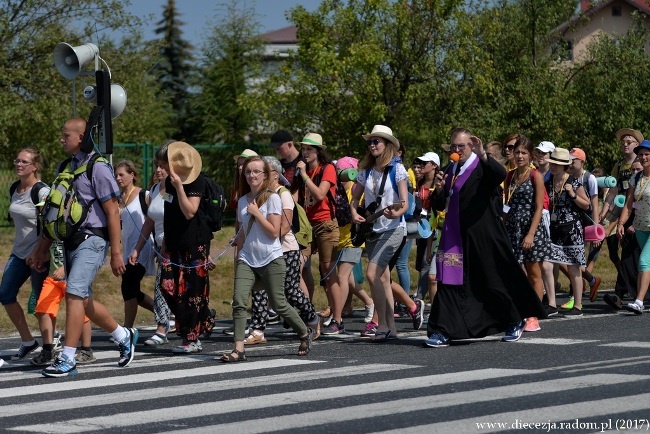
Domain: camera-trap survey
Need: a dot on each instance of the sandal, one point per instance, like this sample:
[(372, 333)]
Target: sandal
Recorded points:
[(315, 327), (305, 343), (156, 339), (230, 357)]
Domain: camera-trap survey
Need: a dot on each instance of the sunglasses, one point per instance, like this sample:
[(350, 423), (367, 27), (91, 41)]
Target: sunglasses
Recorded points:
[(375, 142), (510, 147)]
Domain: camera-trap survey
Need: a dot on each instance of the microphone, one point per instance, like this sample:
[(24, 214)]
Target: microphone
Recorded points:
[(454, 157), (298, 170)]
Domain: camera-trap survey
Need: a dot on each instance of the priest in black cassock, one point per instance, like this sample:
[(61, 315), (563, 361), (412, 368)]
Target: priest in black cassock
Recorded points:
[(482, 289)]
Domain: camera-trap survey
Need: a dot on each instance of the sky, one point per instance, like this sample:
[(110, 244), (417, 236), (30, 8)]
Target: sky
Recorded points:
[(196, 14)]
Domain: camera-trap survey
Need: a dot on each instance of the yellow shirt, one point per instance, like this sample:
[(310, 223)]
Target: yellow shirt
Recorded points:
[(345, 232)]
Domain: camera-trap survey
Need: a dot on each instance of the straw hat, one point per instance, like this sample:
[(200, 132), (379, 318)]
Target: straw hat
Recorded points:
[(245, 154), (313, 139), (185, 161), (629, 132), (382, 131)]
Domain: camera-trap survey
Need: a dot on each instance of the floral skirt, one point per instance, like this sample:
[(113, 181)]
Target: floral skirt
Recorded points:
[(186, 287)]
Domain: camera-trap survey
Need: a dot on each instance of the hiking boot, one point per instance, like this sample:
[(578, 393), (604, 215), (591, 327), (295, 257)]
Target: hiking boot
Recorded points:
[(44, 358), (84, 357), (593, 290), (61, 367), (633, 307), (24, 351), (514, 331), (127, 347)]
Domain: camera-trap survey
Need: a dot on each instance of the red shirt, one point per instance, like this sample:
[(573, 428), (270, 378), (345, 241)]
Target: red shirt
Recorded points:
[(320, 211)]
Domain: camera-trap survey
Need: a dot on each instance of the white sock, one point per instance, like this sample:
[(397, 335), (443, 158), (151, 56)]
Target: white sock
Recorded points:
[(119, 334), (639, 302), (69, 352)]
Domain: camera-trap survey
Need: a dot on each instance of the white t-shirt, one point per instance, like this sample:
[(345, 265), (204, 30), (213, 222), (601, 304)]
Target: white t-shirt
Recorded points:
[(259, 248), (132, 221), (156, 213), (371, 180), (23, 213), (641, 202), (289, 242)]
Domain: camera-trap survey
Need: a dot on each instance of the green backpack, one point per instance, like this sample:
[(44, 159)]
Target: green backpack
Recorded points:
[(300, 225), (63, 213)]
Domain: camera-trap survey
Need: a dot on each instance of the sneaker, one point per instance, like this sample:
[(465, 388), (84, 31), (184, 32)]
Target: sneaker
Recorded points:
[(593, 290), (613, 301), (44, 358), (332, 329), (274, 318), (514, 331), (551, 311), (61, 367), (370, 311), (418, 315), (633, 307), (57, 343), (370, 330), (569, 304), (254, 339), (188, 347), (156, 340), (230, 331), (437, 340), (24, 351), (127, 347), (532, 325), (400, 311), (84, 357), (573, 312), (327, 321)]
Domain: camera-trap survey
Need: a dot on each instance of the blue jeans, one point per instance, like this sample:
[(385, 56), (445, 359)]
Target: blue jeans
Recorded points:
[(82, 265), (402, 266), (15, 274)]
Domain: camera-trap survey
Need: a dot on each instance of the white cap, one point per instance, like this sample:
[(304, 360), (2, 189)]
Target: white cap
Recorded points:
[(430, 156), (546, 147)]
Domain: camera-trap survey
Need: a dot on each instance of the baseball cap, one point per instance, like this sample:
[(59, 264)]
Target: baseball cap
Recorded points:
[(430, 156), (579, 154), (280, 137), (546, 147)]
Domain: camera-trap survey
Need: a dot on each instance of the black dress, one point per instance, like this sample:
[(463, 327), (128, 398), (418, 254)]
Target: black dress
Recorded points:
[(495, 291)]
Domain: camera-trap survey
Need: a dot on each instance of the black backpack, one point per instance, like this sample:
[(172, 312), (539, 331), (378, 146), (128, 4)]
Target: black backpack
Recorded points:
[(339, 204), (213, 203), (34, 195)]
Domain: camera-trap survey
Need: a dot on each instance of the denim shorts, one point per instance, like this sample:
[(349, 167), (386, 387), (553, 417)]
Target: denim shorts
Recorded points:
[(82, 264), (15, 274)]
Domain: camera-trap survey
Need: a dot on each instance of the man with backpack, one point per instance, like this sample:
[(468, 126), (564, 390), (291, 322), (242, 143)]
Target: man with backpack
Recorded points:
[(85, 250)]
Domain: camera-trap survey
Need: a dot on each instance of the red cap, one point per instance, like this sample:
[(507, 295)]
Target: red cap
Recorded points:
[(579, 154)]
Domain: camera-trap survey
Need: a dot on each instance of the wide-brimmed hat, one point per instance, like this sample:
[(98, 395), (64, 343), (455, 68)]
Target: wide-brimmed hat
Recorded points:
[(382, 131), (245, 154), (313, 139), (276, 166), (560, 156), (645, 144), (629, 132), (185, 161)]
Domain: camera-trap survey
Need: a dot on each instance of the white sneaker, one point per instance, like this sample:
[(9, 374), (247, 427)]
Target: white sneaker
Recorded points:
[(370, 311), (188, 347), (633, 307)]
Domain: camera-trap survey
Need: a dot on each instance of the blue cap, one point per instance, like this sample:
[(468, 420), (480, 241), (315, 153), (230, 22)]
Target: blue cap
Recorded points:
[(643, 145)]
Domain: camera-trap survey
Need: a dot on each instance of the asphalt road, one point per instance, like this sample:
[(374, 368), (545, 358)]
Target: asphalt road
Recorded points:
[(588, 374)]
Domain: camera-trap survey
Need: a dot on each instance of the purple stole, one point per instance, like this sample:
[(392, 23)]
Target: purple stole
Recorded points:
[(449, 259)]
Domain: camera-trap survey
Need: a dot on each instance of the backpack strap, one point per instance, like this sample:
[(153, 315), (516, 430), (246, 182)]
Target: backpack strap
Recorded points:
[(142, 196)]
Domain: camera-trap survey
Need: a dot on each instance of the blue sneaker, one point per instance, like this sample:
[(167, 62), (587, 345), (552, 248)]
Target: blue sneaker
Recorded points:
[(437, 340), (61, 367), (127, 347), (514, 331)]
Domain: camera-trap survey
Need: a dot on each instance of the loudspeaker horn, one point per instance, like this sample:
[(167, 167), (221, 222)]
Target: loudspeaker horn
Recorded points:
[(69, 60), (118, 98)]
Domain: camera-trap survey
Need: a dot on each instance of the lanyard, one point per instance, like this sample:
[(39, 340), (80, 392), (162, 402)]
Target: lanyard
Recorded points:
[(512, 188), (642, 185), (555, 197)]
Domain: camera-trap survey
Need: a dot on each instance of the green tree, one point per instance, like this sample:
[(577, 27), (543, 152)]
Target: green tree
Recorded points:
[(230, 64), (175, 68)]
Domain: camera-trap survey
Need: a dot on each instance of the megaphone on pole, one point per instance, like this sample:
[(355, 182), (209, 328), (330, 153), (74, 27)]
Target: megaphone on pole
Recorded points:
[(118, 98), (70, 61)]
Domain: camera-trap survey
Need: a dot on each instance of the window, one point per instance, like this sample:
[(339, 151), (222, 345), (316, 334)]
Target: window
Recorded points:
[(617, 11)]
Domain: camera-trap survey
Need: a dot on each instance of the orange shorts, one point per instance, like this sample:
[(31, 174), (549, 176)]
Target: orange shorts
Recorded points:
[(51, 295)]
